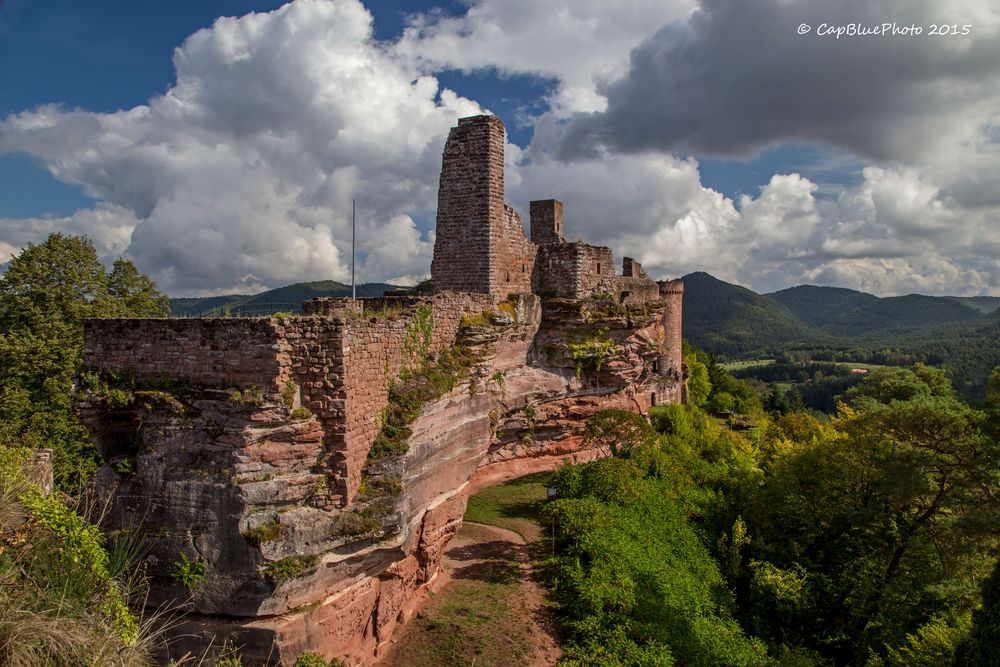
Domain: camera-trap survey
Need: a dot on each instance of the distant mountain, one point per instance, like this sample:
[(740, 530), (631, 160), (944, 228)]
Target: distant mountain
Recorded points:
[(984, 304), (288, 298), (819, 305), (839, 324), (733, 321), (844, 312)]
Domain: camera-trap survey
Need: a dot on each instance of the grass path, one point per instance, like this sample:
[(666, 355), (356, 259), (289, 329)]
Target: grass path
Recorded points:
[(487, 608)]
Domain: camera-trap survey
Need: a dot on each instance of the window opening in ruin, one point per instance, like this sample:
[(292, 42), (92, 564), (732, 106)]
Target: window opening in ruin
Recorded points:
[(524, 268), (598, 268), (652, 399), (508, 276)]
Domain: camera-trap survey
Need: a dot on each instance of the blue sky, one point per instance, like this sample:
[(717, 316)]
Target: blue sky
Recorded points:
[(692, 134)]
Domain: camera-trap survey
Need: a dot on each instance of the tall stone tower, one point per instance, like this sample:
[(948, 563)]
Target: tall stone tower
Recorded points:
[(672, 294), (480, 244)]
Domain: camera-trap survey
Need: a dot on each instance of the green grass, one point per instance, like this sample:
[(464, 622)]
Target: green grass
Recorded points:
[(478, 619), (514, 505), (746, 363)]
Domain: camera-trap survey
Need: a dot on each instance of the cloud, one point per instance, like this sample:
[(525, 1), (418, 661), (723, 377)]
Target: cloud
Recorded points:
[(576, 42), (241, 175), (737, 77)]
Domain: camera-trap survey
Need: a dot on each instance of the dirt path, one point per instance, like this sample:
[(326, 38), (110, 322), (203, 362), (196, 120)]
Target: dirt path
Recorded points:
[(485, 607)]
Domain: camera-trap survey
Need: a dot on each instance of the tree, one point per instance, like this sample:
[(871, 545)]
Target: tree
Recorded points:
[(45, 295), (615, 432), (132, 294), (980, 649), (885, 517), (698, 384)]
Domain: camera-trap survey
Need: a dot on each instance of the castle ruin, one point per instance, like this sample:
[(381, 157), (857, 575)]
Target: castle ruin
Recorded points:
[(251, 443)]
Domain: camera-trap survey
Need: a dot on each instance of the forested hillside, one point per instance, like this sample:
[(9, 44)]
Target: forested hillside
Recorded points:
[(833, 324), (289, 297), (733, 321)]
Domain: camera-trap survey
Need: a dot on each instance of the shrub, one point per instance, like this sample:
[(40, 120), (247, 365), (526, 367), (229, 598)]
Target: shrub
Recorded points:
[(265, 532), (248, 396), (289, 568), (301, 412), (288, 393), (591, 352), (188, 573)]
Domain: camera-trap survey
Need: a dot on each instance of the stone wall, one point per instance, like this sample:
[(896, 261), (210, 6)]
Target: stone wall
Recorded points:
[(632, 268), (547, 222), (574, 270), (377, 348), (342, 365), (212, 351), (515, 256), (470, 204), (636, 291)]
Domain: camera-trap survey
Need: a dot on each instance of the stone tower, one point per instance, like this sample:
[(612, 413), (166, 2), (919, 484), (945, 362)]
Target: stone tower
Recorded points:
[(672, 294), (480, 244), (547, 222)]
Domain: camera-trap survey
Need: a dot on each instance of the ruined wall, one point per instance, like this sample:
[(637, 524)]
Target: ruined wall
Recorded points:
[(635, 291), (211, 351), (341, 364), (632, 268), (547, 222), (574, 270), (515, 256), (377, 348)]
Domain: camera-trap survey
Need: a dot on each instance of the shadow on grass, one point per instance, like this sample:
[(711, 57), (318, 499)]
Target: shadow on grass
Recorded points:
[(495, 562)]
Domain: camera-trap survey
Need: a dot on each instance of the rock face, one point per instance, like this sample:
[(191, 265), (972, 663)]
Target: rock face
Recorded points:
[(298, 479)]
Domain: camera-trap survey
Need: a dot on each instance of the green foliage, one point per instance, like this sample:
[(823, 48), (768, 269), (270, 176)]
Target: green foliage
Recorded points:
[(45, 295), (62, 597), (591, 352), (288, 568), (698, 384), (288, 393), (248, 396), (856, 541), (483, 319), (980, 648), (934, 644), (616, 431), (635, 583), (410, 391), (188, 573), (265, 532), (310, 659), (301, 412)]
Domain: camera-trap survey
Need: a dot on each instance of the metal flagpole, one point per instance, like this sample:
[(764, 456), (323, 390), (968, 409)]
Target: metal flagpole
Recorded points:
[(354, 228)]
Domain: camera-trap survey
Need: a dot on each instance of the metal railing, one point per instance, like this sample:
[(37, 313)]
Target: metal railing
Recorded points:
[(247, 310)]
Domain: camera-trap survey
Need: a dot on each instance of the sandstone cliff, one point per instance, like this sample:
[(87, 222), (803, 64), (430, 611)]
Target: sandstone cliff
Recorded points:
[(305, 539)]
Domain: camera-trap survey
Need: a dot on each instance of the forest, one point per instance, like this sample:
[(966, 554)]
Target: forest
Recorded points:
[(865, 539)]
